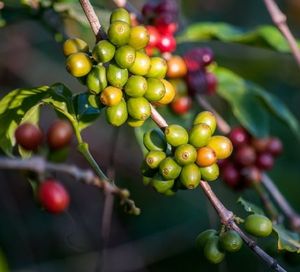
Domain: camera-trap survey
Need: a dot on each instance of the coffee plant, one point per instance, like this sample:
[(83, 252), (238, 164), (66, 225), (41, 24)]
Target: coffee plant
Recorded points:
[(144, 70)]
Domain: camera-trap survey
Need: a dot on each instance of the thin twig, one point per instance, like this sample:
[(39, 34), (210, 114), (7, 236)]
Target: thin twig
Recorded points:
[(39, 165), (279, 19), (226, 216)]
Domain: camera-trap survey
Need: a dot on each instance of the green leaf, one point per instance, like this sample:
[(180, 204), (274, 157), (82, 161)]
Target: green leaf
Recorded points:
[(287, 240), (250, 207), (246, 107), (266, 36)]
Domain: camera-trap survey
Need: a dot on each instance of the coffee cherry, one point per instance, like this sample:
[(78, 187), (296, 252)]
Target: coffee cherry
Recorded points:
[(169, 169), (119, 33), (158, 68), (53, 196), (134, 122), (231, 175), (139, 37), (29, 136), (260, 144), (154, 139), (154, 36), (185, 154), (161, 185), (166, 6), (165, 28), (136, 86), (190, 176), (245, 155), (169, 95), (265, 161), (221, 145), (208, 118), (176, 135), (154, 158), (59, 134), (116, 76), (120, 14), (180, 86), (274, 146), (250, 175), (210, 173), (197, 58), (76, 45), (103, 51), (155, 91), (211, 83), (138, 108), (258, 225), (141, 64), (78, 64), (197, 82), (111, 96), (199, 135), (96, 80), (147, 180), (117, 115), (204, 236), (148, 9), (176, 67), (147, 171), (231, 241), (212, 251), (206, 156), (181, 105), (239, 136), (125, 56), (167, 43)]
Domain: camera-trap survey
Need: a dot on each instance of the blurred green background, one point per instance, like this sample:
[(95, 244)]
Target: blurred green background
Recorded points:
[(162, 237)]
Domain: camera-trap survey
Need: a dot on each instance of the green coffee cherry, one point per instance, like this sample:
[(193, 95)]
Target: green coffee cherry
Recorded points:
[(206, 117), (139, 37), (116, 76), (76, 45), (199, 135), (169, 192), (147, 171), (158, 68), (138, 108), (210, 173), (204, 236), (169, 169), (134, 122), (103, 51), (147, 180), (190, 176), (154, 158), (117, 115), (125, 56), (155, 90), (119, 33), (154, 139), (161, 185), (258, 225), (120, 14), (78, 64), (96, 79), (185, 154), (231, 241), (141, 64), (212, 251), (176, 135), (136, 86), (221, 145)]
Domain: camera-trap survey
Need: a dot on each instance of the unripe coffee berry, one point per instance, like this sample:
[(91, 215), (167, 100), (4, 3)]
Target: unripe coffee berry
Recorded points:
[(138, 108), (204, 236), (136, 86), (176, 67), (169, 169), (116, 76), (76, 45), (59, 134), (190, 176), (185, 154), (141, 64), (258, 225), (104, 51), (96, 80), (154, 139), (206, 156), (154, 158), (120, 14), (176, 135), (208, 118), (139, 37), (155, 90), (78, 64), (212, 251), (158, 68), (125, 56), (119, 33), (231, 241), (29, 136), (169, 95), (111, 96), (160, 184), (210, 173), (221, 145), (199, 135), (117, 115)]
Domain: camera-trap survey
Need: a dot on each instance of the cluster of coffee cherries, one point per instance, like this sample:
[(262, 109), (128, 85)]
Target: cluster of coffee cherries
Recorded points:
[(178, 159), (119, 71), (214, 244), (251, 156), (51, 193)]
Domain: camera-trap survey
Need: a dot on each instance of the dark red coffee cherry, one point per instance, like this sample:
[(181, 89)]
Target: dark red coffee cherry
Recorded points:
[(59, 134), (265, 161), (211, 82), (231, 175), (53, 196), (197, 58), (197, 82), (245, 155), (29, 136), (239, 136), (274, 146)]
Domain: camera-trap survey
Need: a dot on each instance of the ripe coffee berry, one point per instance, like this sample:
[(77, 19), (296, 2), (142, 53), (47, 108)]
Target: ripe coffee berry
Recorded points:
[(53, 196), (59, 134), (245, 155), (239, 136), (211, 83), (29, 136), (154, 36), (176, 67), (274, 146), (231, 175), (197, 58), (167, 43), (181, 105), (265, 161)]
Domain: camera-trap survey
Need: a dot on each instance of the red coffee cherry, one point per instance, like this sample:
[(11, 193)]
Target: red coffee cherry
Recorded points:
[(245, 155), (154, 36), (59, 134), (211, 83), (29, 136), (239, 136), (265, 161), (260, 144), (274, 146), (197, 58), (181, 105), (53, 196), (167, 43), (231, 175)]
